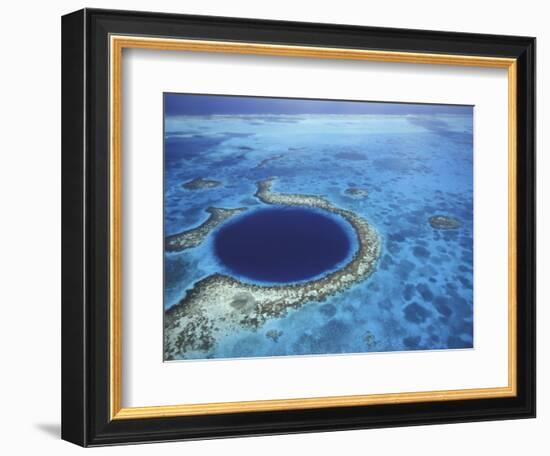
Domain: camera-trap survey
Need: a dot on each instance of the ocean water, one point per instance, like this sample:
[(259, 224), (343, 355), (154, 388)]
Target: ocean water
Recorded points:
[(413, 166), (277, 245)]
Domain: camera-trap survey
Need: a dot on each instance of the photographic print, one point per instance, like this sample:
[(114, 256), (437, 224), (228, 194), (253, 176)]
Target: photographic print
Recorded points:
[(315, 227)]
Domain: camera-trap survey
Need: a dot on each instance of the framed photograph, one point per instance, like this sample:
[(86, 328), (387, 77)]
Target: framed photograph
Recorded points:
[(279, 227)]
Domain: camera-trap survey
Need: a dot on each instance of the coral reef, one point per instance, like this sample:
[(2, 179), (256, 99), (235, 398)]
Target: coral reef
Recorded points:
[(370, 339), (192, 238), (273, 334), (232, 304), (356, 192), (199, 183), (444, 222), (265, 161)]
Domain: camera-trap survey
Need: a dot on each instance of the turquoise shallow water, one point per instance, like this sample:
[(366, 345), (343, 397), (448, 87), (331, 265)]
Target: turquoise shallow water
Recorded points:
[(413, 166)]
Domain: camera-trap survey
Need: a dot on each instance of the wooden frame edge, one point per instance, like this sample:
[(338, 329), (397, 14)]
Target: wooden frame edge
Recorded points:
[(512, 227), (115, 238), (120, 42), (165, 411)]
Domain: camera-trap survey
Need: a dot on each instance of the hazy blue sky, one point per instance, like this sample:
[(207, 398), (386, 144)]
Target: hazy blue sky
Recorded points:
[(188, 104)]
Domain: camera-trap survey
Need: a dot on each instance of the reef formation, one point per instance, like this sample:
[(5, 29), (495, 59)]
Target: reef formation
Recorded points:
[(268, 160), (356, 192), (443, 222), (192, 238), (219, 305), (199, 183)]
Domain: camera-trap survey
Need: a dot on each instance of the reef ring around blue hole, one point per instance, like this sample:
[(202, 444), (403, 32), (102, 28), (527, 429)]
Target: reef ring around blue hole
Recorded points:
[(283, 244)]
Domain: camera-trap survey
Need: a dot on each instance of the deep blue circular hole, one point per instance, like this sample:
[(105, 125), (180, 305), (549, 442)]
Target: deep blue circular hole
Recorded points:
[(282, 245)]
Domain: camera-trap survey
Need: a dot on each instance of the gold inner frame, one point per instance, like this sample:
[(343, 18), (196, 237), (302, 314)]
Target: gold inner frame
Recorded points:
[(117, 44)]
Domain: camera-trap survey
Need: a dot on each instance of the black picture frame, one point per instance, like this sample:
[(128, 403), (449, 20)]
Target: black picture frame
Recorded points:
[(86, 418)]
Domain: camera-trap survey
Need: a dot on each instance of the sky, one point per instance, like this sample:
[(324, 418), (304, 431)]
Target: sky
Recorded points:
[(197, 105)]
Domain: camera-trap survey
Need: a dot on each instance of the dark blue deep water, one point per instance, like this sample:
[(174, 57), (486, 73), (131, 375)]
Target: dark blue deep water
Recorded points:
[(282, 245)]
